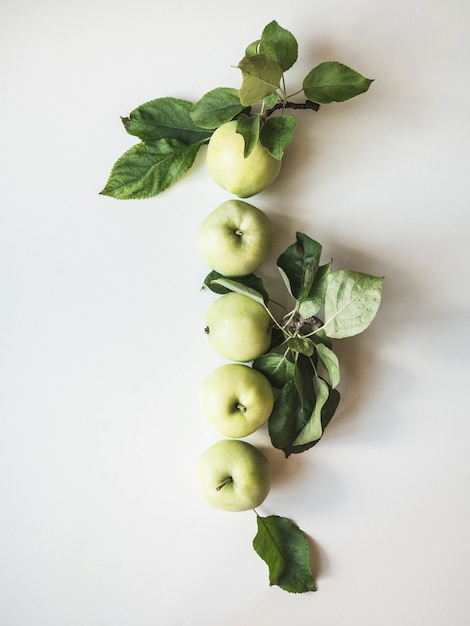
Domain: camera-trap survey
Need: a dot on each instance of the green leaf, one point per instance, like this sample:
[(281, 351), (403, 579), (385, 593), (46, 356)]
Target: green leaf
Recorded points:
[(248, 128), (147, 169), (251, 280), (328, 410), (290, 416), (271, 100), (298, 265), (313, 430), (303, 379), (164, 118), (276, 367), (351, 303), (276, 134), (330, 362), (283, 423), (252, 48), (217, 107), (261, 76), (316, 296), (279, 44), (239, 287), (334, 82), (303, 345), (283, 546)]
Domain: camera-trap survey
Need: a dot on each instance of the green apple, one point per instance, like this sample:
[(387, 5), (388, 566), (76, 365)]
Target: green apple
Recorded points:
[(238, 327), (228, 166), (234, 475), (236, 399), (235, 238)]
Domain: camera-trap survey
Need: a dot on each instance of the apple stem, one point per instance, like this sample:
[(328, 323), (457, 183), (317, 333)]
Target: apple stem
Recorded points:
[(229, 479), (239, 232), (241, 408)]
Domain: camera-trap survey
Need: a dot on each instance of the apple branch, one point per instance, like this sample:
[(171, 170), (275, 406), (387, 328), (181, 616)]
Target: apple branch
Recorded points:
[(308, 104)]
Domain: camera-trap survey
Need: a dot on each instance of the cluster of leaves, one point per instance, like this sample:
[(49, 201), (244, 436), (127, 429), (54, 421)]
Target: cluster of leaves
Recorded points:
[(172, 130), (301, 363), (303, 368)]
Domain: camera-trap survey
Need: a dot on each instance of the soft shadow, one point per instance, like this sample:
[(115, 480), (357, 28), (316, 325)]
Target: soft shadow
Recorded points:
[(283, 470), (319, 562), (360, 356)]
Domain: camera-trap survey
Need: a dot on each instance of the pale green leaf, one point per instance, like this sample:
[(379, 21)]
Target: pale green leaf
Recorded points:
[(239, 287), (330, 362), (351, 303), (261, 77), (303, 345)]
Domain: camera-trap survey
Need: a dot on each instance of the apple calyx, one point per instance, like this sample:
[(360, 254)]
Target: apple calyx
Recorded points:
[(228, 480)]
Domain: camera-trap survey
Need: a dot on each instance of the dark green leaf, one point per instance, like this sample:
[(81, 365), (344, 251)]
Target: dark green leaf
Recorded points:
[(277, 369), (261, 77), (334, 82), (283, 423), (330, 362), (147, 169), (316, 297), (284, 548), (250, 281), (328, 410), (248, 128), (164, 118), (298, 265), (276, 134), (217, 107), (351, 303), (313, 429), (303, 378), (290, 417), (279, 44)]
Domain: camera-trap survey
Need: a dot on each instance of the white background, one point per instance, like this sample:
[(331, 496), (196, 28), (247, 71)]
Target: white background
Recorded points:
[(102, 349)]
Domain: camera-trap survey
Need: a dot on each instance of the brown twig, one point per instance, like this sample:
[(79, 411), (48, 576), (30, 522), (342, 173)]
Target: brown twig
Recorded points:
[(308, 104)]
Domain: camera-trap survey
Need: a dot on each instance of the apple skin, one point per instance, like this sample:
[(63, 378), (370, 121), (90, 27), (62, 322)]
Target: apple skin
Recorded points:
[(235, 238), (236, 399), (227, 165), (233, 475), (238, 327)]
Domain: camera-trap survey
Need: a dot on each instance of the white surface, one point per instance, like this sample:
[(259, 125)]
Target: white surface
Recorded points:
[(101, 317)]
